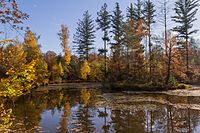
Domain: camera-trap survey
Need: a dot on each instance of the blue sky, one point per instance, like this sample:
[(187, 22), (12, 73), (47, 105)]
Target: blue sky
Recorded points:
[(46, 16)]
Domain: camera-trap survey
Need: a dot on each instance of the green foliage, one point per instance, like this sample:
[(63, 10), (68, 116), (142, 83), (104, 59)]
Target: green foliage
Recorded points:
[(185, 16), (172, 81), (97, 70), (137, 11), (42, 72), (118, 30), (149, 12), (84, 37), (57, 73), (73, 70), (103, 21)]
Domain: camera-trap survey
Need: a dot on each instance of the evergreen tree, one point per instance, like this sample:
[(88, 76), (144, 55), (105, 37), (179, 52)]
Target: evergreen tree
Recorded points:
[(185, 16), (130, 13), (118, 30), (118, 44), (138, 10), (129, 37), (149, 14), (84, 36), (103, 21), (135, 52)]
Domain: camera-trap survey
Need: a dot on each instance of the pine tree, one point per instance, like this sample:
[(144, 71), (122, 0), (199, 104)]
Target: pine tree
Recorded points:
[(84, 36), (129, 37), (118, 30), (118, 44), (130, 13), (149, 14), (103, 21), (135, 52), (185, 16), (138, 10)]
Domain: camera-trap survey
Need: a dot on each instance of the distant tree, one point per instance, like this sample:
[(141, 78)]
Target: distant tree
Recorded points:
[(84, 36), (57, 73), (50, 58), (158, 65), (97, 67), (185, 16), (134, 32), (118, 30), (163, 18), (128, 28), (170, 43), (130, 12), (118, 37), (149, 14), (103, 21), (64, 37), (138, 10), (55, 66)]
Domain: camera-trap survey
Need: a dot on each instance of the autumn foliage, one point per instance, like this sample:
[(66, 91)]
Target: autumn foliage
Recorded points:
[(129, 52)]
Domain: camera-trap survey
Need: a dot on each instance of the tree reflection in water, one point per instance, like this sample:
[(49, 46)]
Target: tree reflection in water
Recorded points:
[(6, 118), (90, 110)]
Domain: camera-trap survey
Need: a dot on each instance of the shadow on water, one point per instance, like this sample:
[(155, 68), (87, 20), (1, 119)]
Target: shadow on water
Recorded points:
[(91, 110)]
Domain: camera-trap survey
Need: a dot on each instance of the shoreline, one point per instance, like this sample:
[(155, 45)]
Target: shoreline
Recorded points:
[(193, 91)]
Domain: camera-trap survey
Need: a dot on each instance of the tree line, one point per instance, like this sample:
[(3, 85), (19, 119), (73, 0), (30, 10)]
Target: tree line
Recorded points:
[(136, 53), (130, 51)]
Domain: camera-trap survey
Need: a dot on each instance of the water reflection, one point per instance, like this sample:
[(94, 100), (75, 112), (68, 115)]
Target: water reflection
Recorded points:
[(91, 110)]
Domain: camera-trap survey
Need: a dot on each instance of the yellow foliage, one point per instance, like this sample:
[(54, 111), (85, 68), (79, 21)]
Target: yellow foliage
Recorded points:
[(64, 37), (6, 41), (67, 56), (85, 96), (18, 81), (61, 71), (85, 70), (6, 119), (31, 40)]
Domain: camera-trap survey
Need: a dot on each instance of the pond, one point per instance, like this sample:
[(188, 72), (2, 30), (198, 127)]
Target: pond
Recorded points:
[(97, 111)]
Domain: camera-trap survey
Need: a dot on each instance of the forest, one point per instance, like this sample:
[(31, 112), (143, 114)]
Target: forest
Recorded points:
[(142, 76), (130, 54)]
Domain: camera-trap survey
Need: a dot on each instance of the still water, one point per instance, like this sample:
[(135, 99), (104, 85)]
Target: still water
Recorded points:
[(95, 111)]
